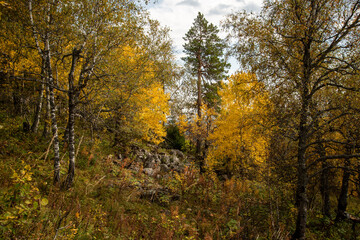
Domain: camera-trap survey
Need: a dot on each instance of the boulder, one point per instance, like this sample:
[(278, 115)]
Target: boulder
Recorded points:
[(165, 159), (150, 163), (164, 168), (148, 171), (177, 153)]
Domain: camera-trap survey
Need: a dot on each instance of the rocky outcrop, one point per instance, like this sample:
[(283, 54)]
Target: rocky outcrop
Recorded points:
[(153, 163), (156, 166)]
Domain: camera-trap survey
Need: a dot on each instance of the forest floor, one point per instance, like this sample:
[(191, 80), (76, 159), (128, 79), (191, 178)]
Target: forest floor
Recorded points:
[(110, 201)]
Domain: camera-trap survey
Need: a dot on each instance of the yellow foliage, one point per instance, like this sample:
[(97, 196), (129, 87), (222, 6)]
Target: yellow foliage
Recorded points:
[(239, 140), (153, 111), (28, 62), (21, 201), (140, 103), (196, 127)]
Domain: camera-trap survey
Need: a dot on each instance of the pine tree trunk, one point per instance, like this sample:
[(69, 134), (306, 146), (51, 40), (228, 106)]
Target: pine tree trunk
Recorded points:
[(199, 105)]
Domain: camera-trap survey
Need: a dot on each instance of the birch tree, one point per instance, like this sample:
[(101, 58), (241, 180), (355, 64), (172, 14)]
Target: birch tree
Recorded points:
[(305, 48)]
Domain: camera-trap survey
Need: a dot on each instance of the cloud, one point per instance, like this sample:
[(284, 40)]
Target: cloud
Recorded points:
[(191, 3), (252, 7), (219, 9), (179, 15)]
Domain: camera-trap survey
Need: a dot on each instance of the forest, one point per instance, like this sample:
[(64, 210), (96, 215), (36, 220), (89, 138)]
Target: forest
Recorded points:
[(105, 134)]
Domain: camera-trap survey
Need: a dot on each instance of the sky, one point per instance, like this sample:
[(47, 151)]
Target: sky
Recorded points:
[(179, 16)]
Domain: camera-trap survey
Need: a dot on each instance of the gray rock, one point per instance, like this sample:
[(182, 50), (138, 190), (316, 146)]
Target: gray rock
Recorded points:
[(153, 161), (150, 163), (135, 167), (177, 153), (157, 160), (157, 170), (174, 160), (180, 154), (165, 159), (164, 168), (148, 171)]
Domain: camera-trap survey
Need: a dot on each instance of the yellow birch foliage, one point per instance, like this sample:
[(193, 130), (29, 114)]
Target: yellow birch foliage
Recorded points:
[(239, 140), (137, 97), (153, 111)]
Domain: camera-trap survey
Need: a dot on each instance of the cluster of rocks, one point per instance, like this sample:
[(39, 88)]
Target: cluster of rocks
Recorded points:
[(153, 163)]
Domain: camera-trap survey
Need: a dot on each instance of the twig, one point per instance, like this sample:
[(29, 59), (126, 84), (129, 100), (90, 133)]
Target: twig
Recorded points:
[(48, 149), (59, 223), (131, 194), (61, 160), (93, 185), (77, 151)]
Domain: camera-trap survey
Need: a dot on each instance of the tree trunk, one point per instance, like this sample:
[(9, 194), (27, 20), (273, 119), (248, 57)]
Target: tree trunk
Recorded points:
[(46, 57), (199, 105), (358, 179), (117, 138), (18, 99), (72, 104), (324, 180), (342, 201), (324, 188), (301, 195), (66, 133), (54, 127), (37, 115), (71, 140), (47, 113)]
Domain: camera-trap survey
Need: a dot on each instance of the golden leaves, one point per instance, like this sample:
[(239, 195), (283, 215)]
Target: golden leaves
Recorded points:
[(153, 112), (239, 139)]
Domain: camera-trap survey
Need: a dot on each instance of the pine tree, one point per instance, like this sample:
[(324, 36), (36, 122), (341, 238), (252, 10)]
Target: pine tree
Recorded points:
[(205, 60)]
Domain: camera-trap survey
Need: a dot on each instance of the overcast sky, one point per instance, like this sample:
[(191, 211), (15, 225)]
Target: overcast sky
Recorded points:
[(179, 15)]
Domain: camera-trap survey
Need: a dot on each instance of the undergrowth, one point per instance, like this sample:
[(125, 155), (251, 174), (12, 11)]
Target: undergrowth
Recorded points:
[(106, 201)]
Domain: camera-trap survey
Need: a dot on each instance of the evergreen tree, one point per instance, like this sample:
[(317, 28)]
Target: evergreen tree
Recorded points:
[(205, 60)]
